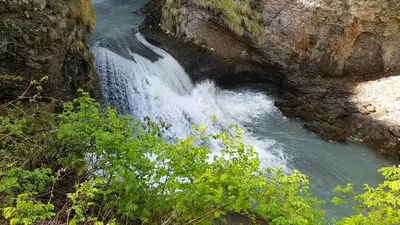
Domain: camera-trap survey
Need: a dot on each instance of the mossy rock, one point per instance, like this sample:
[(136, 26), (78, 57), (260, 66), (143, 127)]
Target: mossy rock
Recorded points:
[(240, 16), (47, 38)]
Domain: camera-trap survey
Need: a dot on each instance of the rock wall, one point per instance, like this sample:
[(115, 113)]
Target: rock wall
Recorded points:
[(321, 52), (331, 38), (204, 47), (335, 37), (46, 38)]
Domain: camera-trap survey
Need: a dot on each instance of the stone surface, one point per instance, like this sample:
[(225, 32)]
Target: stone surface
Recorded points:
[(46, 38), (334, 37), (331, 38), (206, 49), (381, 98)]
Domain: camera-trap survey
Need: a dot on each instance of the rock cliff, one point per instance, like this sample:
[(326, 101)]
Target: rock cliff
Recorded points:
[(46, 38), (323, 53), (335, 38)]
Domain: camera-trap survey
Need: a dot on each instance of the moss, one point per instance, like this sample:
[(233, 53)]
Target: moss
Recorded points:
[(11, 77), (238, 15), (82, 10), (173, 13), (80, 46)]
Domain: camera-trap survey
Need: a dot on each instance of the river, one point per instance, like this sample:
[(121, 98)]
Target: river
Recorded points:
[(143, 80)]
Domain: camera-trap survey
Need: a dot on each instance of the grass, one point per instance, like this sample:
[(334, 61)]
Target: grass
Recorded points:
[(83, 11), (238, 15)]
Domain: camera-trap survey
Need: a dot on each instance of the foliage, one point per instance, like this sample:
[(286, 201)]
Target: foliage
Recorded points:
[(124, 165), (99, 167), (26, 211), (11, 77), (19, 187), (27, 130), (376, 206), (130, 166)]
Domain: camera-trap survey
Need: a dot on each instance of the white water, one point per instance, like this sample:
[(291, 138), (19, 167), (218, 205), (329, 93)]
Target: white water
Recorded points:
[(163, 91)]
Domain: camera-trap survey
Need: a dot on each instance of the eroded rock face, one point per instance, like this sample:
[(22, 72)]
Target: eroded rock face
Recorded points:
[(331, 38), (204, 47), (334, 48), (334, 37), (46, 38)]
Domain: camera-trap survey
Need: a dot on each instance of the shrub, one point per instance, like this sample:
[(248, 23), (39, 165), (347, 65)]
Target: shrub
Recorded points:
[(376, 206), (128, 174), (98, 167)]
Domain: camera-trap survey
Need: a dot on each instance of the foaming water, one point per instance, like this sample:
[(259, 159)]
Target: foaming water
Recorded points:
[(163, 91)]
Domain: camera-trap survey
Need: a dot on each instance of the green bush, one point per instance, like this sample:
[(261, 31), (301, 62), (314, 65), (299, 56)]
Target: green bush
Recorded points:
[(129, 174), (376, 206), (105, 168), (140, 177)]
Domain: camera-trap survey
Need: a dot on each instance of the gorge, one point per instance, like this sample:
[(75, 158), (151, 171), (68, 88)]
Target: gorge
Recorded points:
[(125, 111), (140, 78)]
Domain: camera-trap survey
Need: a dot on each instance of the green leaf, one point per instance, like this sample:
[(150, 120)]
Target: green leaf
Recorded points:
[(14, 221)]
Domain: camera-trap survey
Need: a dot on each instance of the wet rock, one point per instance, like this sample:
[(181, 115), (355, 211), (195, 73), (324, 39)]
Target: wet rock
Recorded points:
[(280, 102), (307, 116), (327, 132), (290, 112), (39, 4), (334, 133), (288, 95), (328, 136), (313, 127)]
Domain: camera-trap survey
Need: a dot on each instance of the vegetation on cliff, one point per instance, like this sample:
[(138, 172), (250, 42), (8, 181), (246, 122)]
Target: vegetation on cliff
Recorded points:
[(47, 38), (83, 12), (237, 15), (90, 165)]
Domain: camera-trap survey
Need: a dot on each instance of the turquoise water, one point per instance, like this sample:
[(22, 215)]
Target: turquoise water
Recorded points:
[(327, 164)]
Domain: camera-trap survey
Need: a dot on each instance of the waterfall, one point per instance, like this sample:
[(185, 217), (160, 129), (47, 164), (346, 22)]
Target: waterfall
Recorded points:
[(143, 80), (159, 88)]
